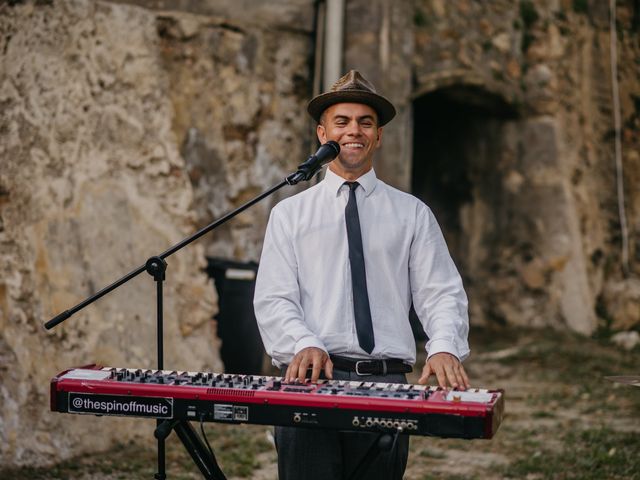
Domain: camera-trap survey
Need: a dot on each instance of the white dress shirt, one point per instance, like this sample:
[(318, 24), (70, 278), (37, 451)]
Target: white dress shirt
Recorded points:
[(303, 295)]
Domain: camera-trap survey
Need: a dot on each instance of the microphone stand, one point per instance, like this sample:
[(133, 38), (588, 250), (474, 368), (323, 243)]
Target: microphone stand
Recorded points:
[(156, 266)]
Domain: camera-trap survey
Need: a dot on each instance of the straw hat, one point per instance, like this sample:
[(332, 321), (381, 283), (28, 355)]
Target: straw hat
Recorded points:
[(352, 88)]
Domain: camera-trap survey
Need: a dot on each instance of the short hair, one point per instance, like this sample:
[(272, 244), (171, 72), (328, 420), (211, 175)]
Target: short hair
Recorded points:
[(323, 118)]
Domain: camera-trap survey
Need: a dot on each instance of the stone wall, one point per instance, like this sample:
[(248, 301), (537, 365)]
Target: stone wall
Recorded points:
[(92, 184), (239, 79), (123, 129), (510, 107), (548, 246), (239, 95)]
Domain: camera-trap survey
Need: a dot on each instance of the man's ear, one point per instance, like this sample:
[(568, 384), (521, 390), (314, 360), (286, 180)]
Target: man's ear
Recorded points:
[(379, 137), (322, 134)]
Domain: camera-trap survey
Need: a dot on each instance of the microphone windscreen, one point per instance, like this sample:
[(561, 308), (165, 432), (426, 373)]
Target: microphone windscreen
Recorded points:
[(327, 152)]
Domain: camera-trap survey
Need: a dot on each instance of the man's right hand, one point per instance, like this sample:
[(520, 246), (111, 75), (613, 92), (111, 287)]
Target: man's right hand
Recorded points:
[(310, 357)]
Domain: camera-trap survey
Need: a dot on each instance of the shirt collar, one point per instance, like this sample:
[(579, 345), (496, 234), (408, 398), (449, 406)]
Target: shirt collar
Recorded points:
[(333, 181)]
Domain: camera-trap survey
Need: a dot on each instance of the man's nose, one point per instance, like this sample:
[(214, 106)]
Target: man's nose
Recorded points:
[(353, 128)]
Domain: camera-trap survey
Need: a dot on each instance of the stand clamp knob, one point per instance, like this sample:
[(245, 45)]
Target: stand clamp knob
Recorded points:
[(156, 266)]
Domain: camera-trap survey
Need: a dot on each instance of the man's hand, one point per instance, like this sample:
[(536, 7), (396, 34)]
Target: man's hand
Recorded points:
[(310, 357), (447, 368)]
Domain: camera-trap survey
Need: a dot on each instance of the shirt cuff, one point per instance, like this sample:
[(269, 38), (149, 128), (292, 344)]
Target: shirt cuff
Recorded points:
[(442, 345), (306, 342)]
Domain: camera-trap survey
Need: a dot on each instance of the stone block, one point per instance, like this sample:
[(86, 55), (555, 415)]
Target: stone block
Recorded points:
[(621, 301)]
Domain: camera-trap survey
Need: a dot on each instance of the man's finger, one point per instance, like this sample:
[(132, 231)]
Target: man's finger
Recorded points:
[(317, 366), (293, 367), (328, 369), (441, 376), (451, 375), (467, 384), (461, 376), (426, 373), (303, 367)]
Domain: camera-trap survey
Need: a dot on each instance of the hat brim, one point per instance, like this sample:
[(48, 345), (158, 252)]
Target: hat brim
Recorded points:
[(383, 107)]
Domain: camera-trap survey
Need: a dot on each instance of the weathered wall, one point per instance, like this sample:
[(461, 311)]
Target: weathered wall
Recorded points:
[(239, 74), (92, 184), (122, 130), (239, 94), (538, 236), (548, 248), (287, 16), (528, 263)]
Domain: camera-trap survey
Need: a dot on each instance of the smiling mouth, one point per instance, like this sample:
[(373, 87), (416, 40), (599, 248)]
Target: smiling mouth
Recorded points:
[(353, 145)]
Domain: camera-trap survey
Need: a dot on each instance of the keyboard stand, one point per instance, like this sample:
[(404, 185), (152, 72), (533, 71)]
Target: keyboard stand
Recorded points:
[(204, 458)]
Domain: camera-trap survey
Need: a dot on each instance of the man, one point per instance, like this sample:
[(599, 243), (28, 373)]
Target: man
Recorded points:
[(341, 264)]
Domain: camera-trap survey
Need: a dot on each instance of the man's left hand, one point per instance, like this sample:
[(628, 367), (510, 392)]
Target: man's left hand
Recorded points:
[(447, 369)]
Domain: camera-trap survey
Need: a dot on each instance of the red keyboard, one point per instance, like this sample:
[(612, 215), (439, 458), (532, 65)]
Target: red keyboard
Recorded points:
[(227, 398)]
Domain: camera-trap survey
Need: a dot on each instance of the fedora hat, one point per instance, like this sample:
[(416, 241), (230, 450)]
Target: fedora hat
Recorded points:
[(352, 88)]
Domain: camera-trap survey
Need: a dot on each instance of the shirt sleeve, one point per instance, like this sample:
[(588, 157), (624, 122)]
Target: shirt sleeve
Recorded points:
[(277, 295), (438, 294)]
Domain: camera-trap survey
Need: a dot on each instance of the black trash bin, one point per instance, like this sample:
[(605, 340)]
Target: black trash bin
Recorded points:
[(242, 350)]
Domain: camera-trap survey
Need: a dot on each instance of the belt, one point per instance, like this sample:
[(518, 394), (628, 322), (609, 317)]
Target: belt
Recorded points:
[(370, 367)]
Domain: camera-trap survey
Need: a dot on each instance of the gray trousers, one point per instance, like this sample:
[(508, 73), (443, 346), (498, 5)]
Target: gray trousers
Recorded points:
[(318, 454)]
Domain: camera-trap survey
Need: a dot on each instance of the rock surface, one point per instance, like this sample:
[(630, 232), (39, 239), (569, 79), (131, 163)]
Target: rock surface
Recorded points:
[(92, 184), (124, 129), (532, 215)]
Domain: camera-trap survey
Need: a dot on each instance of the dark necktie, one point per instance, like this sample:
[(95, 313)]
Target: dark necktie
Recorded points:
[(361, 309)]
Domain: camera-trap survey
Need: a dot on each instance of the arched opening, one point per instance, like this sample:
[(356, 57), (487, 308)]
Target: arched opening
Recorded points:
[(458, 160)]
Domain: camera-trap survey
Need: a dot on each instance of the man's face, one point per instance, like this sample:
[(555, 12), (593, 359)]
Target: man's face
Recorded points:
[(355, 127)]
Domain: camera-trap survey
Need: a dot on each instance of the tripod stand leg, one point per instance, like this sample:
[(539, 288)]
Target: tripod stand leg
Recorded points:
[(161, 475), (201, 456)]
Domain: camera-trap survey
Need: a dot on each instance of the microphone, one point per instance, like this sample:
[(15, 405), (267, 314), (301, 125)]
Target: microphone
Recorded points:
[(307, 169)]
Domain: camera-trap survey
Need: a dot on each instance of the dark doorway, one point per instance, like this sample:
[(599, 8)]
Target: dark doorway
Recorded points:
[(458, 160), (456, 144)]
